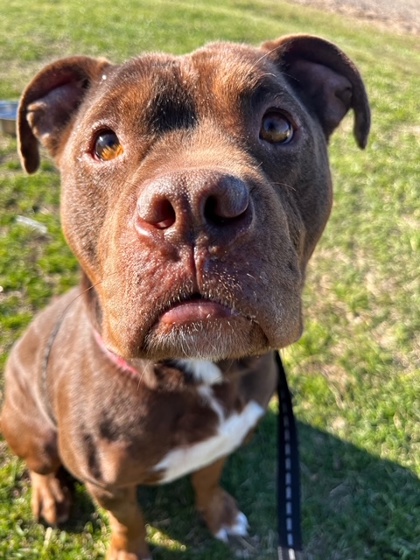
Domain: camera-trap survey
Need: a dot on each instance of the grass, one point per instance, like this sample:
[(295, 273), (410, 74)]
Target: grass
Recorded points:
[(355, 372)]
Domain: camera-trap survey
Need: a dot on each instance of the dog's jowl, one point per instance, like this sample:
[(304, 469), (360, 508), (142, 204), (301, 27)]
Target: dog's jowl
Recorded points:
[(194, 190)]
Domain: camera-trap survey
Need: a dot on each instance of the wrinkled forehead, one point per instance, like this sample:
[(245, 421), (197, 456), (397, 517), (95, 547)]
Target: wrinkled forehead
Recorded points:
[(177, 90), (238, 67)]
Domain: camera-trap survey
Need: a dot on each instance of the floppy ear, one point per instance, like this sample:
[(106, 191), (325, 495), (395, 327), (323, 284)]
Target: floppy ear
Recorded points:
[(325, 78), (49, 104)]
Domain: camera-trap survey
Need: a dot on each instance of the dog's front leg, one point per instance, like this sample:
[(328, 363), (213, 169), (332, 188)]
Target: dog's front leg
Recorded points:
[(51, 496), (218, 509), (128, 533)]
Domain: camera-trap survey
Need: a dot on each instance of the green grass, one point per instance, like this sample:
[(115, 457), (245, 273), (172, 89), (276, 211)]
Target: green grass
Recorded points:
[(355, 372)]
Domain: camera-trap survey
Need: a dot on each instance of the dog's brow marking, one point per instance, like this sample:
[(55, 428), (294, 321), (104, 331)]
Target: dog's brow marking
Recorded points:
[(172, 107), (229, 436)]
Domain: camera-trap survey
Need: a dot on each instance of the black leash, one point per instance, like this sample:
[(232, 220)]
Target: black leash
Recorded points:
[(288, 476)]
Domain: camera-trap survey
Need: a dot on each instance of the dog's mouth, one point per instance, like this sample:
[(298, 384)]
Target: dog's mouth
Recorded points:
[(194, 308), (202, 327)]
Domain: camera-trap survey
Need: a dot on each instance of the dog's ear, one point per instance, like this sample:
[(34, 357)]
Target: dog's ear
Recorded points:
[(326, 77), (49, 104)]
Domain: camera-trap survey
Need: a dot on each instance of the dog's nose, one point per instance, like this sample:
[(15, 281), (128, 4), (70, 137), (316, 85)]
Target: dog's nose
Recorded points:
[(195, 201)]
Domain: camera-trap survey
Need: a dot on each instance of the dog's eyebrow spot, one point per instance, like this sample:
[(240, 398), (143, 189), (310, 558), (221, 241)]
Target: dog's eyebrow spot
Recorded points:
[(172, 107), (171, 112)]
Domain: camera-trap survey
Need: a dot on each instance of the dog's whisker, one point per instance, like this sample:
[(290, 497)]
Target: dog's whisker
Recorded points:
[(282, 184)]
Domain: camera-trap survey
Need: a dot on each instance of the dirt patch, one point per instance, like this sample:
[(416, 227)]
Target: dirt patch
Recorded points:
[(395, 15)]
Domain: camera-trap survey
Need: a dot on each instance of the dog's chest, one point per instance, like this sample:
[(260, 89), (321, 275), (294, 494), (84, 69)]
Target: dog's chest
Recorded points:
[(165, 435), (231, 432)]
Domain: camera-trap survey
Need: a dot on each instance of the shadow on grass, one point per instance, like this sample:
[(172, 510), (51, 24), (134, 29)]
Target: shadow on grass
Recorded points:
[(355, 506)]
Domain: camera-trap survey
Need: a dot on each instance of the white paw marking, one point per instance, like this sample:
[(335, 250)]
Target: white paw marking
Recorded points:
[(238, 529), (221, 535), (241, 526)]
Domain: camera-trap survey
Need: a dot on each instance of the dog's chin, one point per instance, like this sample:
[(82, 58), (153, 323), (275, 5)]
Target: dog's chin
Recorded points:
[(210, 339)]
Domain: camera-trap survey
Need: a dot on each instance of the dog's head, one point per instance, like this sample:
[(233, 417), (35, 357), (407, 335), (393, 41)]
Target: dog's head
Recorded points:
[(195, 188)]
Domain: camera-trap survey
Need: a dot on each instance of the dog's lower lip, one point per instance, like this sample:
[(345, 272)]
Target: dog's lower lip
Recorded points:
[(193, 311)]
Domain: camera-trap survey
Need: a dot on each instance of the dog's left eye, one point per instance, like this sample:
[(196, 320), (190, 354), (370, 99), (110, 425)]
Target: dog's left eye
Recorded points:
[(107, 146), (276, 128)]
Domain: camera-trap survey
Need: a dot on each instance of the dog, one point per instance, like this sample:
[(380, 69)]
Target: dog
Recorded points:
[(194, 191)]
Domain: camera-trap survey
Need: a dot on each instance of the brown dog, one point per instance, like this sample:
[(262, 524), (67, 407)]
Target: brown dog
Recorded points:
[(195, 189)]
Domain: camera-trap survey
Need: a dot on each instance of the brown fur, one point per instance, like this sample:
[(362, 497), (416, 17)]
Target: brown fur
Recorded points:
[(198, 214)]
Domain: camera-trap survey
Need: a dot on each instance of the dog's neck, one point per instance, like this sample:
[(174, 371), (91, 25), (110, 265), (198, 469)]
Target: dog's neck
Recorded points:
[(197, 372), (118, 361)]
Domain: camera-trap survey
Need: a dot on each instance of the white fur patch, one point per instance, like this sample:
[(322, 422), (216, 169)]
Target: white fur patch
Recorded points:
[(230, 434), (238, 529), (203, 371)]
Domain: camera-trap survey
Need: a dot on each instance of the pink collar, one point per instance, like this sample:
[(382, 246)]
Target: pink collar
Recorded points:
[(121, 364)]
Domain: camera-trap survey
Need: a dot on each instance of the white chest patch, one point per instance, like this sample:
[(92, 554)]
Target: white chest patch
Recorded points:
[(202, 371), (230, 434)]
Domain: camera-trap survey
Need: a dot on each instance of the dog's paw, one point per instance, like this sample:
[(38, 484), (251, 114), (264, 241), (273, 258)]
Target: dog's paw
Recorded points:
[(239, 528), (127, 541), (123, 555), (222, 516), (51, 498)]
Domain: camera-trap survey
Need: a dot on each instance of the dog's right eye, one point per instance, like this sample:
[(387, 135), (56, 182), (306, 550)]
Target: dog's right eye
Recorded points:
[(107, 146), (276, 128)]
